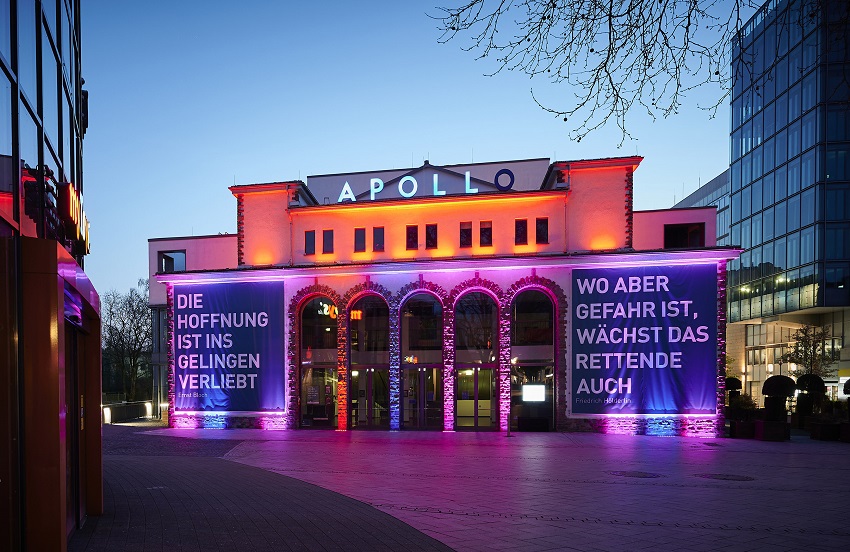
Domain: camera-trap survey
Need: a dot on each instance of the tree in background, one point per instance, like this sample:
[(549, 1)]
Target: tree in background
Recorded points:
[(810, 353), (614, 55), (127, 341)]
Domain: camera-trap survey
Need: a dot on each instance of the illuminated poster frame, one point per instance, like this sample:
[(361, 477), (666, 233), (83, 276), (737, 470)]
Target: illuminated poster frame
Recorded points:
[(228, 347), (644, 340)]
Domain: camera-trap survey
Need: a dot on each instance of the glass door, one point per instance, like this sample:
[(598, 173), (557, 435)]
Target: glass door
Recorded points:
[(422, 398), (475, 398), (370, 400)]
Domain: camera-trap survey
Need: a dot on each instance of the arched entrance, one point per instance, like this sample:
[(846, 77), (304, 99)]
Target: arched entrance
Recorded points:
[(476, 361), (368, 338), (532, 362), (318, 363), (421, 335)]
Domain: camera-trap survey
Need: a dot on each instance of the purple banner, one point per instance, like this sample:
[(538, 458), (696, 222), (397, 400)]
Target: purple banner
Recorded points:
[(644, 340), (228, 347)]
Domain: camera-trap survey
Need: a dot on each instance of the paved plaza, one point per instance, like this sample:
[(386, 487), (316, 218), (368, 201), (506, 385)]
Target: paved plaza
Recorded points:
[(254, 490)]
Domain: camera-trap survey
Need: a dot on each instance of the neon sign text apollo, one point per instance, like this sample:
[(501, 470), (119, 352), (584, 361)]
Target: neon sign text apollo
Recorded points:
[(408, 186)]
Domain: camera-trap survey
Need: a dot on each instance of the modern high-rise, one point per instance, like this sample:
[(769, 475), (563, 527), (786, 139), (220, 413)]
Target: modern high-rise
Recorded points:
[(789, 185), (50, 441)]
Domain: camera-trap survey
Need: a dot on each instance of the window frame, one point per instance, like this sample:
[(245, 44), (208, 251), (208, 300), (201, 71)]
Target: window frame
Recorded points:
[(309, 242), (327, 242), (411, 237), (485, 231), (541, 238), (429, 243), (521, 238), (377, 238), (360, 240)]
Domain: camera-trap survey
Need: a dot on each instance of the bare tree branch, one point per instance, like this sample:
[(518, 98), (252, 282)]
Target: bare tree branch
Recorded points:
[(127, 336), (615, 55)]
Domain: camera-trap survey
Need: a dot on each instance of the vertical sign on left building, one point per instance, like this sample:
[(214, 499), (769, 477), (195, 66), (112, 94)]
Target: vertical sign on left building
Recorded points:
[(228, 347)]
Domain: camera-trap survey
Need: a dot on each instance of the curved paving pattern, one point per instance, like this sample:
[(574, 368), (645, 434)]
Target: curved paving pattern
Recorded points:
[(556, 491), (470, 491), (175, 494)]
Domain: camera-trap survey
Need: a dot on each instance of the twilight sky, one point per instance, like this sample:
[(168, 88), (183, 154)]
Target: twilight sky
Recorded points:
[(190, 97)]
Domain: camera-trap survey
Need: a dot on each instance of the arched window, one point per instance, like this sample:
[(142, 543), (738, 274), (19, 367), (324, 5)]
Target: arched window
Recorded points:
[(421, 329), (318, 357), (476, 354), (532, 361), (368, 338)]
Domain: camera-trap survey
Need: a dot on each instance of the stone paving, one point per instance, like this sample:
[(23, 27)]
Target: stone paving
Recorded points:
[(535, 491)]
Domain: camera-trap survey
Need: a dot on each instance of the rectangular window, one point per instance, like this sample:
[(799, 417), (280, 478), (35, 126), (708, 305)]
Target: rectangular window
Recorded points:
[(378, 238), (359, 240), (466, 234), (430, 236), (413, 237), (310, 242), (171, 261), (684, 235), (520, 232), (485, 235), (542, 230), (327, 241)]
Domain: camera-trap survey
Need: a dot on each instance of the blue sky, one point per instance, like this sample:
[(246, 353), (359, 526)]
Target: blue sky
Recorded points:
[(190, 97)]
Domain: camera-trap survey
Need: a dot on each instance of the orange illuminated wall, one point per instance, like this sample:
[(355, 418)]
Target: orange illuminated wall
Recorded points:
[(446, 212), (600, 202), (263, 223), (588, 205)]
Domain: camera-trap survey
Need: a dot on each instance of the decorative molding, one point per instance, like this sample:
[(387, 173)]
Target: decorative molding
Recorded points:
[(472, 285), (293, 386), (240, 230), (348, 300), (721, 349), (629, 206), (562, 315)]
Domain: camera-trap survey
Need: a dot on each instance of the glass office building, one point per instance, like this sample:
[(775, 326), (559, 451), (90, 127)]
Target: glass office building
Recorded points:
[(50, 461), (789, 183)]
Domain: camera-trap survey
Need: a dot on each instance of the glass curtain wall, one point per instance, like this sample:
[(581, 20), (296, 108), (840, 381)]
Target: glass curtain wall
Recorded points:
[(789, 177)]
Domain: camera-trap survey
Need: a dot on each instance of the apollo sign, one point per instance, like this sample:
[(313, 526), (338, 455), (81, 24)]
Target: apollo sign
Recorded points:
[(409, 187)]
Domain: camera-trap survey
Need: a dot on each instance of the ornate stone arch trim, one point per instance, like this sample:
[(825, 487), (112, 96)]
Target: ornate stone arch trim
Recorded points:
[(562, 314), (293, 360), (493, 290), (352, 296), (398, 300)]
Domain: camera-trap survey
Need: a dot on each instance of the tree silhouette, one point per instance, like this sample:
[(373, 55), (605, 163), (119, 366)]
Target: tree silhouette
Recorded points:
[(127, 337), (615, 55), (809, 352)]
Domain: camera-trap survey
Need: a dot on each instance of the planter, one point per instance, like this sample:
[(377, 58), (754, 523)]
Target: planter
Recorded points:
[(742, 430), (825, 431), (772, 431), (845, 432)]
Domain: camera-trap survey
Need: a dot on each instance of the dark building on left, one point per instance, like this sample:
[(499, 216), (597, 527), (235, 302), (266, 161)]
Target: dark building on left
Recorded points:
[(50, 378)]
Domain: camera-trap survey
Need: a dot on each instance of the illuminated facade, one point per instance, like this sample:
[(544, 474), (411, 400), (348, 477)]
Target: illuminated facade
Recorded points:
[(50, 441), (519, 295)]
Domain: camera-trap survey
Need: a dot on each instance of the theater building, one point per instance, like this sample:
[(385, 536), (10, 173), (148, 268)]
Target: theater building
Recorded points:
[(506, 296)]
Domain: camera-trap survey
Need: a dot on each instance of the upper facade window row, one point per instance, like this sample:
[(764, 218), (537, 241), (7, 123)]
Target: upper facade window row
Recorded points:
[(485, 236)]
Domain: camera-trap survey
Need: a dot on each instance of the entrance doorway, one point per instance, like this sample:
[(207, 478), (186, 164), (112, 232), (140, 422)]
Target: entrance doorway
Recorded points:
[(422, 398), (318, 354), (475, 406), (370, 398)]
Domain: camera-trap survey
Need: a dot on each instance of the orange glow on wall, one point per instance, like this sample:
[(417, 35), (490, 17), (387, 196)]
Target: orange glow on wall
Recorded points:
[(261, 257), (602, 242)]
